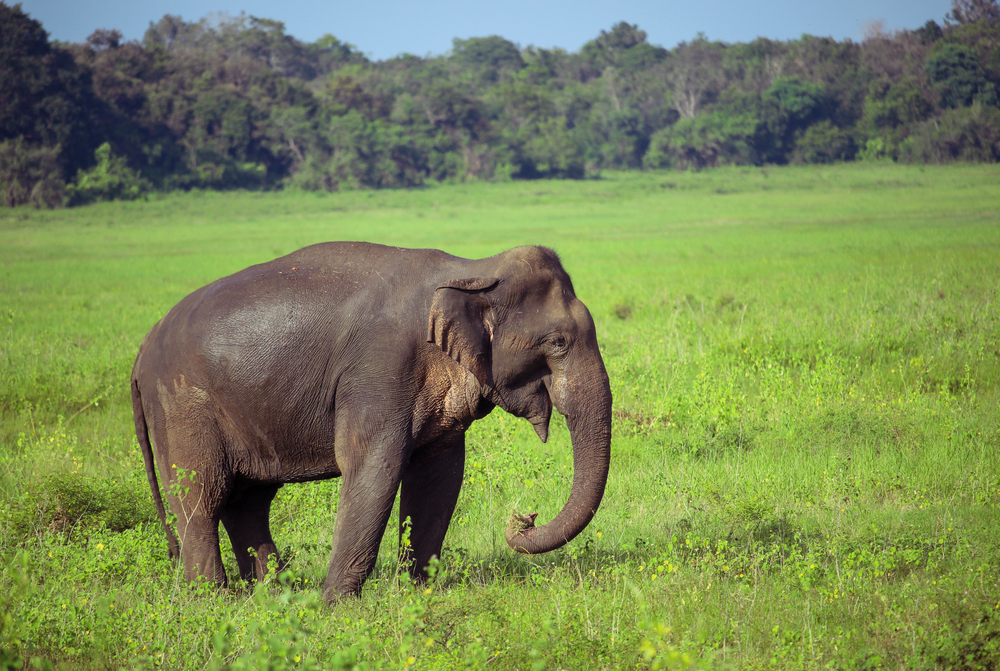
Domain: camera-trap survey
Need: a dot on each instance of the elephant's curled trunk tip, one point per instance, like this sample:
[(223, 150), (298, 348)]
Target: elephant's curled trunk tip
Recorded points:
[(517, 524)]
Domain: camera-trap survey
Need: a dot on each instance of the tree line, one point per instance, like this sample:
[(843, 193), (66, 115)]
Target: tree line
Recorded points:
[(235, 102)]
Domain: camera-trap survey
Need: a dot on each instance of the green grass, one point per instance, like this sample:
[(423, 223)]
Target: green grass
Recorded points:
[(806, 370)]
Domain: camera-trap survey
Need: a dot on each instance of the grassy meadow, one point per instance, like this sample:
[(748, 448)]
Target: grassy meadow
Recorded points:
[(805, 363)]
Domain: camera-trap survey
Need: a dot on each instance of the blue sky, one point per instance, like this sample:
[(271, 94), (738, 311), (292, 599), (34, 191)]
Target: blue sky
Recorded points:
[(385, 28)]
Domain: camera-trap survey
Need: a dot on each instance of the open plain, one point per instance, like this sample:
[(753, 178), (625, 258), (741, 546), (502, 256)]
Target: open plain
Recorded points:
[(805, 364)]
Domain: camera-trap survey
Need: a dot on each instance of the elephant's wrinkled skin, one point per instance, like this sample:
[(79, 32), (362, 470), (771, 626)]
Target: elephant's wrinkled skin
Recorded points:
[(369, 363)]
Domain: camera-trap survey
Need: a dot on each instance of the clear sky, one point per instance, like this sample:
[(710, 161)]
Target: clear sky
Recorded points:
[(385, 28)]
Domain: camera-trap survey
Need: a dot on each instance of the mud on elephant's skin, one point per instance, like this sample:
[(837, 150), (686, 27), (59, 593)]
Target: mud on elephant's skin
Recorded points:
[(368, 363)]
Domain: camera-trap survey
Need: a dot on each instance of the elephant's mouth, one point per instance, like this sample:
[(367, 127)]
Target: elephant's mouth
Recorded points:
[(530, 401), (541, 425), (540, 416)]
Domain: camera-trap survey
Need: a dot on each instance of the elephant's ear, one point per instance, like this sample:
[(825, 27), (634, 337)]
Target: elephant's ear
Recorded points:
[(461, 324)]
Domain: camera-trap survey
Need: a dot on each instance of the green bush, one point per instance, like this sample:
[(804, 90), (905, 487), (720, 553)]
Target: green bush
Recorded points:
[(29, 174), (958, 78), (64, 501), (358, 153), (969, 134), (110, 179), (824, 143), (875, 149), (705, 141)]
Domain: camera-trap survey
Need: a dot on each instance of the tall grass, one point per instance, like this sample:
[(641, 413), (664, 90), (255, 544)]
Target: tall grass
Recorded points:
[(806, 370)]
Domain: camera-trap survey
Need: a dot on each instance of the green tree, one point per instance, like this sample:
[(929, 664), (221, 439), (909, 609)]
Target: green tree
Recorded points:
[(891, 109), (625, 46), (891, 105), (839, 69), (929, 33), (824, 143), (264, 41), (125, 76), (534, 132), (29, 174), (958, 77), (969, 134), (694, 75), (172, 34), (331, 54), (974, 11), (491, 58), (706, 141), (359, 153), (45, 97), (789, 106)]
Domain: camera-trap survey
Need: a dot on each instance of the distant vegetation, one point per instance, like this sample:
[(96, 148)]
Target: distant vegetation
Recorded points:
[(235, 102)]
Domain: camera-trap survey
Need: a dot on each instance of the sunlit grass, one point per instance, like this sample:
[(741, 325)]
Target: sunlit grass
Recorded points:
[(806, 370)]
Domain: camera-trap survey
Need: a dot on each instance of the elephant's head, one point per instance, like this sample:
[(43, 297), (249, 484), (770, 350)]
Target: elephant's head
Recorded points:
[(519, 327)]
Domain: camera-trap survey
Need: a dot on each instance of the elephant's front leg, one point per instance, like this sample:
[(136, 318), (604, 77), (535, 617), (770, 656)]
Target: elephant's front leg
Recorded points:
[(431, 482), (366, 498)]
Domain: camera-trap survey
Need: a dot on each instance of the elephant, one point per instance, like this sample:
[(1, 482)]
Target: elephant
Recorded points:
[(369, 363)]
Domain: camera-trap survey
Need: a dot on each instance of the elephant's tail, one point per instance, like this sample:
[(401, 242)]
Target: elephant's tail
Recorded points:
[(142, 435)]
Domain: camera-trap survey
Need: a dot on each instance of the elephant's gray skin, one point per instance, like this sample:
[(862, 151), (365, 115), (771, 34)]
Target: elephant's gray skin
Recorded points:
[(366, 362)]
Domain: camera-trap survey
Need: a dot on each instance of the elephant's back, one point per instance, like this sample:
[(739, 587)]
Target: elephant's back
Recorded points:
[(270, 318)]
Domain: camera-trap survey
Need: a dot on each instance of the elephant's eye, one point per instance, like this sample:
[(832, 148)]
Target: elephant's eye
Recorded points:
[(557, 345)]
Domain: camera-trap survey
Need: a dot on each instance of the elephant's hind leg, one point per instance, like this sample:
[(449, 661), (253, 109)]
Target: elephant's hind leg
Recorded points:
[(198, 532), (193, 474), (247, 520)]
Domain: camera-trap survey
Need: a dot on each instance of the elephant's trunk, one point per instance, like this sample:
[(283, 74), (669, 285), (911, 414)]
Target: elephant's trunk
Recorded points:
[(585, 400)]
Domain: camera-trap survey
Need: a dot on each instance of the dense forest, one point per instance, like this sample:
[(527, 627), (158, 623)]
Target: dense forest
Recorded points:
[(235, 102)]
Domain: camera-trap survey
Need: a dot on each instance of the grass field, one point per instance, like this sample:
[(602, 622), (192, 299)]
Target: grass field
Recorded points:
[(805, 363)]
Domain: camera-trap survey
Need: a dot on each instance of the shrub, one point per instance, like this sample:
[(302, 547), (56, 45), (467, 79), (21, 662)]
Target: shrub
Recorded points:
[(29, 174), (707, 140), (110, 179), (824, 143), (874, 150), (964, 134), (63, 501)]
